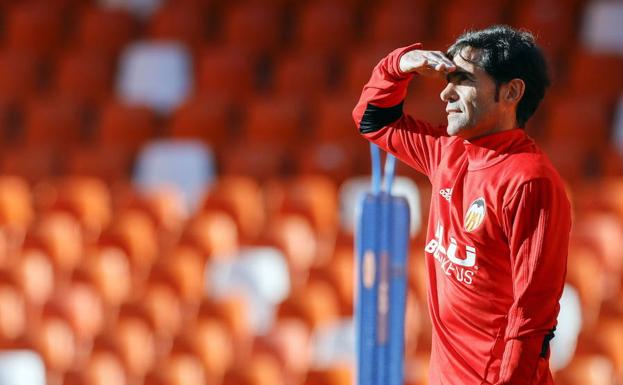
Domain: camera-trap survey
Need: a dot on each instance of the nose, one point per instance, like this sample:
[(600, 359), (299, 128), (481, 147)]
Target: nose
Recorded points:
[(448, 94)]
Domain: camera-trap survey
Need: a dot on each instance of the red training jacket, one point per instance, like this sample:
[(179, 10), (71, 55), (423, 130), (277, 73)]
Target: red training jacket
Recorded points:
[(497, 239)]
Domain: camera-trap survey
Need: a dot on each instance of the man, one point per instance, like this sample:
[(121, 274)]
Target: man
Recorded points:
[(499, 218)]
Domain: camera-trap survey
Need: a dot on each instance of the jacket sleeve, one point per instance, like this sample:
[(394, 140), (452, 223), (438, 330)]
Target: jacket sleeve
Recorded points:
[(380, 118), (537, 222)]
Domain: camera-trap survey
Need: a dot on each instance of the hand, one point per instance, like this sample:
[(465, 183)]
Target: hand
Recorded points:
[(426, 63)]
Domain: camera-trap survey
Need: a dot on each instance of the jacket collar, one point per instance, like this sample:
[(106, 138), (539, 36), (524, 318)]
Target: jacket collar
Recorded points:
[(489, 150)]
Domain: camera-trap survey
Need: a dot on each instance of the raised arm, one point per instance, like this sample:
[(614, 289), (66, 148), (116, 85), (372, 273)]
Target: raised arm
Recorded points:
[(379, 114)]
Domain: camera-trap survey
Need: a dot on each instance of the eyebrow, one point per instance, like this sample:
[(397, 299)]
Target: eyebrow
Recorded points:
[(458, 72)]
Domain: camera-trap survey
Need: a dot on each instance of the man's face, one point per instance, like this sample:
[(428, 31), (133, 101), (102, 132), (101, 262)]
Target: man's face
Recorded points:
[(470, 98)]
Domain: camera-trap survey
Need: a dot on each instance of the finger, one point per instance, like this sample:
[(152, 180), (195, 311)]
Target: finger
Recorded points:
[(440, 56)]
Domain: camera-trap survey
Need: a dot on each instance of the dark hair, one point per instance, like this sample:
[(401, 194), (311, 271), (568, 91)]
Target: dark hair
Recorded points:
[(508, 54)]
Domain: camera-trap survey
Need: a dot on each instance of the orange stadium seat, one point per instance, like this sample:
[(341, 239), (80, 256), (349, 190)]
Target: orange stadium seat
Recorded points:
[(243, 197), (161, 300), (106, 30), (35, 28), (84, 76), (20, 76), (335, 159), (275, 120), (110, 265), (398, 23), (260, 161), (325, 27), (181, 22), (214, 345), (53, 122), (106, 162), (225, 71), (84, 306), (138, 230), (552, 23), (61, 233), (333, 119), (457, 17), (34, 271), (205, 117), (233, 312), (125, 126), (182, 366), (319, 303), (13, 323), (591, 76), (301, 74), (253, 27), (338, 375), (16, 204), (103, 365), (291, 338), (54, 339), (88, 197), (587, 369), (358, 66), (134, 338), (214, 233), (186, 265)]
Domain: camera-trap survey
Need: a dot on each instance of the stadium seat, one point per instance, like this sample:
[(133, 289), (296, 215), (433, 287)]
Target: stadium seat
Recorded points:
[(138, 231), (333, 120), (398, 23), (161, 299), (584, 268), (103, 365), (461, 16), (214, 233), (551, 21), (183, 366), (84, 76), (110, 265), (274, 120), (187, 166), (20, 76), (125, 126), (318, 303), (334, 159), (53, 122), (325, 27), (135, 340), (104, 29), (35, 28), (253, 27), (13, 321), (258, 160), (84, 306), (358, 66), (88, 198), (55, 341), (209, 118), (225, 71), (294, 233), (600, 30), (610, 340), (259, 275), (301, 74), (290, 336), (34, 271), (109, 163), (244, 198), (586, 69), (233, 312), (16, 204), (187, 266), (214, 345), (155, 74), (587, 369), (21, 367), (336, 375), (60, 231), (181, 22)]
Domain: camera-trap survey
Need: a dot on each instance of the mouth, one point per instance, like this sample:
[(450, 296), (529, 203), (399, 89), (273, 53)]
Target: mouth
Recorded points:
[(454, 111)]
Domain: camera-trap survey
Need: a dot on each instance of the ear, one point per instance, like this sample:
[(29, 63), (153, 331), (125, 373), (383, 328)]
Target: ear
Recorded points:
[(513, 91)]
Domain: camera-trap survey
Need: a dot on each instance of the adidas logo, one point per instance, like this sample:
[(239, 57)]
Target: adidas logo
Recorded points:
[(446, 193)]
